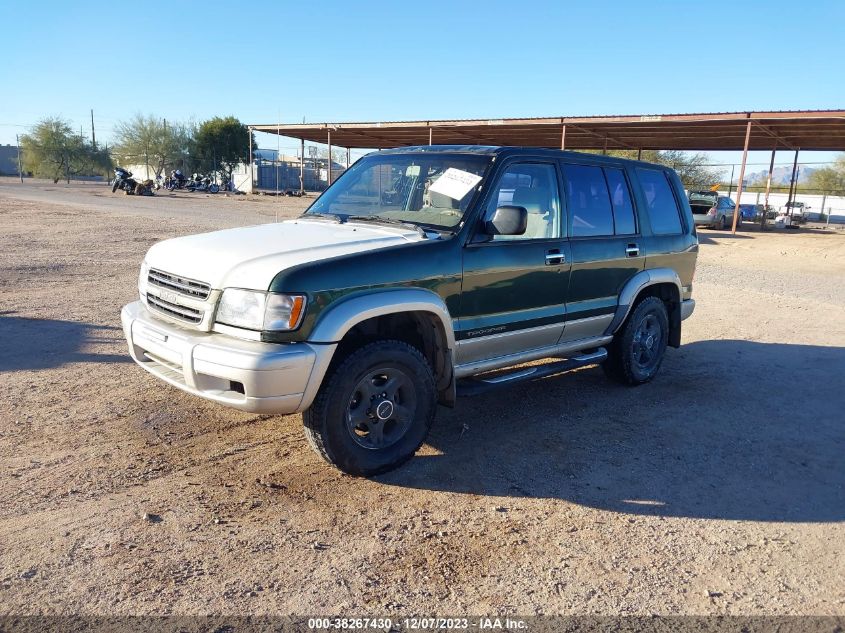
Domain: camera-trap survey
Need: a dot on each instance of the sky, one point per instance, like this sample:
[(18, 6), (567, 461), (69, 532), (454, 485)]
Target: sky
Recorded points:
[(267, 61)]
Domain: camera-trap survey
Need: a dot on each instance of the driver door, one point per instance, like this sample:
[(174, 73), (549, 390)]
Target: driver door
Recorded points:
[(514, 286)]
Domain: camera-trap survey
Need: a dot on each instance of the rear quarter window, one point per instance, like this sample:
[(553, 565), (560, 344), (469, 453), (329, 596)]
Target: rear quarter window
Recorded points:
[(661, 204)]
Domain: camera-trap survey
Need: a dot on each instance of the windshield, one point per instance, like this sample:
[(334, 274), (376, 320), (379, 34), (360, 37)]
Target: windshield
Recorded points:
[(705, 197), (432, 190)]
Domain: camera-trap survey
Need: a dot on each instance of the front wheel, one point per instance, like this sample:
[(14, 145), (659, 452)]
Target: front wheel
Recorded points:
[(115, 185), (637, 350), (212, 188), (374, 409)]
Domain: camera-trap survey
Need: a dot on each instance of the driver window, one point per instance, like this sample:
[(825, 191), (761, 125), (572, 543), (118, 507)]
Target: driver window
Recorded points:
[(533, 186)]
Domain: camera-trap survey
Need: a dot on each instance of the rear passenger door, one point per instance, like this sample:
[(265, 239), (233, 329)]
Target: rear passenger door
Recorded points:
[(605, 242)]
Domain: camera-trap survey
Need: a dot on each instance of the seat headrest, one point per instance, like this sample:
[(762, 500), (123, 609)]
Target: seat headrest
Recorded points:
[(534, 200)]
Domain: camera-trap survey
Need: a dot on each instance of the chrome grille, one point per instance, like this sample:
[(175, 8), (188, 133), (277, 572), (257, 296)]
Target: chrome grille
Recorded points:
[(182, 285), (183, 313)]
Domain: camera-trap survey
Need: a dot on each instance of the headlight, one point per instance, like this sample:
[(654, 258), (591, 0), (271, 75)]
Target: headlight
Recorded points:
[(255, 310)]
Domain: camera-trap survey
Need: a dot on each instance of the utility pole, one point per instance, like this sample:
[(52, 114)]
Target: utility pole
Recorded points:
[(93, 136), (20, 169), (249, 158), (278, 152), (731, 183)]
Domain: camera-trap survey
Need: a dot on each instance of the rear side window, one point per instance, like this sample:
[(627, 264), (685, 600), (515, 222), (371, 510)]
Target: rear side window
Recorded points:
[(660, 202), (620, 198), (588, 201)]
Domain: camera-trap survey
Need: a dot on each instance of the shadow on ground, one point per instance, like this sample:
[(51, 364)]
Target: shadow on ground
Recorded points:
[(707, 238), (729, 430), (28, 344)]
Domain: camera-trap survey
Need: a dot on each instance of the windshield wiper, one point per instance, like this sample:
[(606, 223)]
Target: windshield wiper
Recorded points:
[(375, 219), (334, 217)]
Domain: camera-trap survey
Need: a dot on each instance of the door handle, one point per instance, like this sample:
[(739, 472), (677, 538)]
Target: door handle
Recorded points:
[(554, 257), (632, 250)]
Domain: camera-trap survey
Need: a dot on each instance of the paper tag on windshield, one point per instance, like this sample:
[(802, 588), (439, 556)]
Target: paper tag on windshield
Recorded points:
[(455, 183)]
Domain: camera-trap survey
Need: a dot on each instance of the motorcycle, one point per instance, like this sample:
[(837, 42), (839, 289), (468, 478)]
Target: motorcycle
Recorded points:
[(202, 183), (123, 180), (145, 188), (175, 181)]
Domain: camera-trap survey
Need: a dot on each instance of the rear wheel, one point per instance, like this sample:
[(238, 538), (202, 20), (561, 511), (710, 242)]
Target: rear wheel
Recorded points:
[(374, 409), (723, 223), (212, 188), (637, 350)]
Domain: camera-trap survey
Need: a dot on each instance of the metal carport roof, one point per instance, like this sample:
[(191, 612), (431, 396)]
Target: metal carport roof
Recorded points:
[(804, 129)]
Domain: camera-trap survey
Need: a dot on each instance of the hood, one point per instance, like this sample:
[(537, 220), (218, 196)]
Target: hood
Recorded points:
[(250, 257)]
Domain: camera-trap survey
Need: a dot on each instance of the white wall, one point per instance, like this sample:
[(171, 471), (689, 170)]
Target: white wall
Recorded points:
[(833, 205), (140, 172)]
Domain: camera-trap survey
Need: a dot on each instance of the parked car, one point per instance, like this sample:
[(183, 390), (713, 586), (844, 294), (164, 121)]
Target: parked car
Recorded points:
[(711, 210), (796, 211), (415, 275), (751, 212)]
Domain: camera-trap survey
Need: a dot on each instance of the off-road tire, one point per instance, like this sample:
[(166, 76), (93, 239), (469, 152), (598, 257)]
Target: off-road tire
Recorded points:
[(326, 421), (621, 364)]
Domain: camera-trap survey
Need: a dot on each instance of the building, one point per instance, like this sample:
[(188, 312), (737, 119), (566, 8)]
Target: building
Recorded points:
[(9, 160)]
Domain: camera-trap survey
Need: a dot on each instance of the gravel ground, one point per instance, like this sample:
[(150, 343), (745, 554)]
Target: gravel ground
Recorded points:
[(716, 489)]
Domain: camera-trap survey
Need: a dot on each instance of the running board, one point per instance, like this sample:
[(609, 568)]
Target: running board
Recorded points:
[(478, 385)]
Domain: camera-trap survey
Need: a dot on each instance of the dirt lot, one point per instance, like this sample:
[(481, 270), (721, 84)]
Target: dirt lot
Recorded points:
[(718, 488)]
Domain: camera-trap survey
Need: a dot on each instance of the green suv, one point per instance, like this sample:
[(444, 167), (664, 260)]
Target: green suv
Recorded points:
[(422, 274)]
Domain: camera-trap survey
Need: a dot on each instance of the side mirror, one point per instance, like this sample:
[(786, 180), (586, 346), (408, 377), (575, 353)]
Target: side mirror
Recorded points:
[(507, 220)]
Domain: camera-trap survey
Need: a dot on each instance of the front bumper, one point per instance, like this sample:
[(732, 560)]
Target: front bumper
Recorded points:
[(246, 375)]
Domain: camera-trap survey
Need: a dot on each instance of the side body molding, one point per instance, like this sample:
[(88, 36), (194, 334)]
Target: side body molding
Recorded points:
[(635, 285), (338, 320)]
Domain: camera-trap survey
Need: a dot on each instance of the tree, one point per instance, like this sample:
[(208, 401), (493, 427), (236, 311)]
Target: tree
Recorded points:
[(153, 142), (223, 143), (691, 168), (51, 150), (829, 180)]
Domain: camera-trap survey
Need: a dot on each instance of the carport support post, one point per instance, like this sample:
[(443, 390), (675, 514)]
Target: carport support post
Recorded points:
[(639, 154), (792, 183), (302, 165), (563, 136), (329, 162), (348, 157), (741, 174), (430, 135), (768, 188)]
